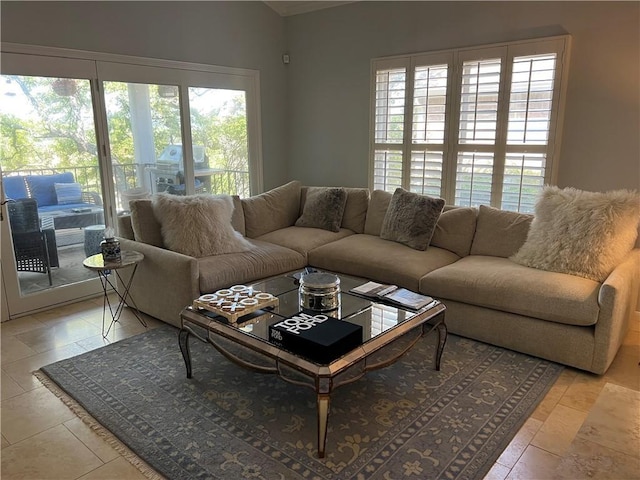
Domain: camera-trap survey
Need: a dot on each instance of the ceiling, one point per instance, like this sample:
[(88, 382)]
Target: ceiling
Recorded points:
[(286, 9)]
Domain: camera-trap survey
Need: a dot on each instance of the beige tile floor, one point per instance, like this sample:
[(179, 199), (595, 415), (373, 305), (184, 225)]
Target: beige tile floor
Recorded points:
[(587, 426)]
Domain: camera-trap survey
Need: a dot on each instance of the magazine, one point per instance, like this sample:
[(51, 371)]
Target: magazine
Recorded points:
[(393, 294)]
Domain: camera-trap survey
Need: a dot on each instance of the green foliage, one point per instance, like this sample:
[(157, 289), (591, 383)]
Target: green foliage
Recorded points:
[(56, 131)]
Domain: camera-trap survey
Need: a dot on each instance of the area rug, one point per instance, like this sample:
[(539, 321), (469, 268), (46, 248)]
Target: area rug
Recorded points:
[(403, 421)]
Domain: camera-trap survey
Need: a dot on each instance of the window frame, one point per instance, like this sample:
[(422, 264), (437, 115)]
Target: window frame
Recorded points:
[(455, 58)]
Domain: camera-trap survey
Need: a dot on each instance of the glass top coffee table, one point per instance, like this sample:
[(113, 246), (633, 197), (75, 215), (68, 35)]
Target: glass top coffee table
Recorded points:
[(388, 333)]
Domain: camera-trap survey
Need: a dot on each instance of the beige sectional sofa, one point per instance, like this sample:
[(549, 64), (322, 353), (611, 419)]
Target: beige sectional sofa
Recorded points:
[(564, 318)]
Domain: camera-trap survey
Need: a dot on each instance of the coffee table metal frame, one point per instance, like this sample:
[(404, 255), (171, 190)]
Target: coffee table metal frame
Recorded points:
[(324, 378)]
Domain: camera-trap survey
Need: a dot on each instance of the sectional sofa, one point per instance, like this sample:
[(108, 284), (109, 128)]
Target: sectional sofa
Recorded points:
[(565, 318)]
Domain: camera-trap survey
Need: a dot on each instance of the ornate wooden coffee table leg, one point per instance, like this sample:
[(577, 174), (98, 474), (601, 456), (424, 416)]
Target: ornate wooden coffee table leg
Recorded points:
[(323, 420), (183, 340)]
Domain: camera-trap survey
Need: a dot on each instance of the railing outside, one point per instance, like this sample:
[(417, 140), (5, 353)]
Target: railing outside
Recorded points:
[(127, 176)]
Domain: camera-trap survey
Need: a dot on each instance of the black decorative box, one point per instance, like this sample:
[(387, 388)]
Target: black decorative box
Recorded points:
[(320, 338)]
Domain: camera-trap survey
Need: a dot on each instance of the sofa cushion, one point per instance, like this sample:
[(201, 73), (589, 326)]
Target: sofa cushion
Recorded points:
[(355, 211), (411, 219), (455, 229), (323, 208), (378, 206), (272, 210), (501, 284), (261, 261), (145, 225), (499, 233), (125, 228), (237, 219), (303, 239), (371, 257), (581, 233), (68, 193), (41, 187), (14, 187), (198, 225)]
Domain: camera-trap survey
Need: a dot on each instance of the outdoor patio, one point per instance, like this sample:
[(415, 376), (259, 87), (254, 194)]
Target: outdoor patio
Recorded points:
[(70, 244)]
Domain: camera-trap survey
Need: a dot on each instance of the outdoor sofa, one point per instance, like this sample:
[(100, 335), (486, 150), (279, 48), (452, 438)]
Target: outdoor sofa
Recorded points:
[(61, 201), (489, 297)]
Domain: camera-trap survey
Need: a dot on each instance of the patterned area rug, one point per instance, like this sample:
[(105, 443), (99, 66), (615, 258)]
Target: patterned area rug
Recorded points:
[(403, 421)]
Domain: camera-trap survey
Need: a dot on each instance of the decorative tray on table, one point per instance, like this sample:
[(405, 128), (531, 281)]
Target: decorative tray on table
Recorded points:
[(235, 302)]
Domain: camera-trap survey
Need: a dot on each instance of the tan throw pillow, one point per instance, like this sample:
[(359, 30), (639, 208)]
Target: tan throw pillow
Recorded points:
[(411, 219), (323, 208), (500, 233), (355, 210), (454, 230), (272, 210), (586, 234), (198, 225), (378, 206), (145, 225)]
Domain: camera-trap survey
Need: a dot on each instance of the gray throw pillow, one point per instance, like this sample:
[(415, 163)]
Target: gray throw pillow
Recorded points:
[(323, 208), (411, 219)]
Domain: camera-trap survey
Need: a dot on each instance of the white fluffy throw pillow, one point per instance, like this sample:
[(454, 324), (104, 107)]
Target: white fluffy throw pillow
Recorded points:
[(581, 233), (198, 225)]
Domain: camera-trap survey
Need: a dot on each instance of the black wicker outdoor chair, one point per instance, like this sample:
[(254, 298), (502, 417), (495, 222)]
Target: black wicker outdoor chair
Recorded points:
[(35, 250)]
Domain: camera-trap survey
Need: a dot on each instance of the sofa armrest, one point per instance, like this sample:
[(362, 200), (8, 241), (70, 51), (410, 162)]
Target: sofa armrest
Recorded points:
[(617, 299), (91, 197), (165, 281)]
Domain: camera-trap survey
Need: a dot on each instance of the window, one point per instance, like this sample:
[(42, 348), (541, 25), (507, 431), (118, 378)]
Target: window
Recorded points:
[(473, 126)]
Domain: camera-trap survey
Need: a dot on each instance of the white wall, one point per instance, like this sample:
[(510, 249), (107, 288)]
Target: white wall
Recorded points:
[(329, 79), (234, 34)]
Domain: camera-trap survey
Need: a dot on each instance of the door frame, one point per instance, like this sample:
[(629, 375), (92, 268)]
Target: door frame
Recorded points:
[(20, 59)]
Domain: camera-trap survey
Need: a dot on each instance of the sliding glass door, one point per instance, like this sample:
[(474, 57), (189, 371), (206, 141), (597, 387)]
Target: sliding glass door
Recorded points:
[(180, 131), (51, 181), (82, 137)]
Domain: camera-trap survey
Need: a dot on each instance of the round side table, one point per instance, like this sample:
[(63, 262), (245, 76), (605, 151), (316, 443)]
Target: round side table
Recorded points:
[(104, 269)]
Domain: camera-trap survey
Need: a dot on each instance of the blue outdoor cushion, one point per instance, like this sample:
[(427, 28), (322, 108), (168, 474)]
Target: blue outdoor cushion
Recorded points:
[(68, 193), (42, 187), (14, 187)]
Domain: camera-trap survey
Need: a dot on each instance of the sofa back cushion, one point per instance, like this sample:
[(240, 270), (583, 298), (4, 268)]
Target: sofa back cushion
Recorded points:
[(355, 210), (145, 225), (42, 187), (272, 210), (125, 228), (455, 229), (378, 206), (499, 233), (15, 187), (237, 220)]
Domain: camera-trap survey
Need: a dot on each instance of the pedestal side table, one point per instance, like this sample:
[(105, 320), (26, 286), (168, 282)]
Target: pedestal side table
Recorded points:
[(104, 270)]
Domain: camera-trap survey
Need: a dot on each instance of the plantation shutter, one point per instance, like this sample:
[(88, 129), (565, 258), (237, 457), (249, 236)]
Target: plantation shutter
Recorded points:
[(389, 112), (533, 106), (478, 101), (431, 91), (473, 126)]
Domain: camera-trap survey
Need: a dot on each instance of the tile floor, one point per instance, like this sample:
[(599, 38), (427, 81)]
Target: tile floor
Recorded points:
[(587, 426)]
